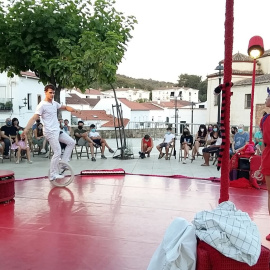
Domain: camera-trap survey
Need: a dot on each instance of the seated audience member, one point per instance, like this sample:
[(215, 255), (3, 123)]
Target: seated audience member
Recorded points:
[(40, 139), (209, 131), (66, 127), (8, 131), (200, 140), (82, 139), (36, 124), (61, 126), (186, 142), (2, 146), (21, 144), (258, 140), (146, 146), (234, 130), (15, 123), (241, 138), (167, 142), (96, 138), (213, 148)]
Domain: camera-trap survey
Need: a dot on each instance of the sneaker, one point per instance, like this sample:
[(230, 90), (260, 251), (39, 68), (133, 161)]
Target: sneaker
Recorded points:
[(161, 155), (148, 155), (103, 157), (111, 151), (30, 161), (184, 162), (93, 159), (166, 157), (57, 176), (17, 162), (43, 151)]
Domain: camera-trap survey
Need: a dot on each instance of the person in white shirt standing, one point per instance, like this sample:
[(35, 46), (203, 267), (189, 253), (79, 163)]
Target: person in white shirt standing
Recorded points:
[(167, 142), (98, 141), (47, 110)]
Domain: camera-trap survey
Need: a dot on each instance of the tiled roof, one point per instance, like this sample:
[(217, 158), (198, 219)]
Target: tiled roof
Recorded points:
[(89, 91), (266, 53), (92, 101), (28, 74), (172, 103), (237, 72), (126, 89), (93, 115), (152, 106), (134, 106), (75, 99), (259, 79), (239, 57), (111, 123)]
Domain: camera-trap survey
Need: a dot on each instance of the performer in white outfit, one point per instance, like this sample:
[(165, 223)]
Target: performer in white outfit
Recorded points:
[(47, 110)]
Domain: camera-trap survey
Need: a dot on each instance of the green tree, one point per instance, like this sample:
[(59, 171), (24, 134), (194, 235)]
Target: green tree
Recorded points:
[(69, 43), (195, 82)]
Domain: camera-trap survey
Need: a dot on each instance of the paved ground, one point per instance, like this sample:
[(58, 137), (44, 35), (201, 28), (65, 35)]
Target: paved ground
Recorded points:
[(151, 165)]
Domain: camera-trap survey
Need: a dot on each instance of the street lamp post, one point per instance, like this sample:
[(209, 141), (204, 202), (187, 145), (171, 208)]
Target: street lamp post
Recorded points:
[(219, 68), (255, 50), (176, 112)]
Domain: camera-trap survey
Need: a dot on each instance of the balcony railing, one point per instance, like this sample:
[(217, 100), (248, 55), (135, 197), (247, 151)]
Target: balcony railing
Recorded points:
[(6, 104)]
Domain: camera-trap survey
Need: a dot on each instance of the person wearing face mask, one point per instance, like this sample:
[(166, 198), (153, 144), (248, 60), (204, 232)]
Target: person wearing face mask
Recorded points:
[(186, 142), (234, 130), (8, 131), (167, 142), (209, 131), (200, 141), (96, 138), (241, 138), (82, 139), (21, 145), (146, 146), (40, 139)]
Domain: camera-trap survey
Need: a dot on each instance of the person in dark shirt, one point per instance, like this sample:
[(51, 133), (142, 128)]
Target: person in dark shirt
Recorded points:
[(7, 131), (186, 142)]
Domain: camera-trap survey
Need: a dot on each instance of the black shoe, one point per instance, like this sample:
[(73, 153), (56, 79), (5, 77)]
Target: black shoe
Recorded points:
[(103, 157), (111, 151), (142, 155), (93, 159)]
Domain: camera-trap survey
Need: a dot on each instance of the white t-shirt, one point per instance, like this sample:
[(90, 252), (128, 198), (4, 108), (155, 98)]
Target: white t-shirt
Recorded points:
[(218, 141), (168, 137), (48, 113), (93, 134)]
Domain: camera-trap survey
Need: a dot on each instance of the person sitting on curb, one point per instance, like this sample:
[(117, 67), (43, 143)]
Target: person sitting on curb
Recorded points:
[(146, 146), (82, 139), (213, 148), (96, 138), (167, 142)]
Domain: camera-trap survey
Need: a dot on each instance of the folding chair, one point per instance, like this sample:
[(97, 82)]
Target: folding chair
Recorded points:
[(181, 156), (172, 151)]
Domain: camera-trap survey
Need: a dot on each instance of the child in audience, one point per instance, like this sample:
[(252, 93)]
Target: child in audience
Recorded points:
[(21, 144)]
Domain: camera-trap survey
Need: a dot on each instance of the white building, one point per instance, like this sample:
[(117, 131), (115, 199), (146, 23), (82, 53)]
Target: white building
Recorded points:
[(24, 93), (165, 94), (242, 68), (131, 94)]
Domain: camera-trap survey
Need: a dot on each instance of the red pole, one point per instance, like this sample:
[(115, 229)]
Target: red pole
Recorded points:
[(226, 103), (252, 101)]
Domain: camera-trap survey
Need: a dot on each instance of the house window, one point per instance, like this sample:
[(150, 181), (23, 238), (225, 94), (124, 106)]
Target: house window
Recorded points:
[(29, 101), (247, 101), (172, 94), (38, 99), (215, 100)]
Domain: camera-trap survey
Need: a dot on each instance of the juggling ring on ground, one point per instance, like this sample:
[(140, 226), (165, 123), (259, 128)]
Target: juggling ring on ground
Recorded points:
[(65, 170)]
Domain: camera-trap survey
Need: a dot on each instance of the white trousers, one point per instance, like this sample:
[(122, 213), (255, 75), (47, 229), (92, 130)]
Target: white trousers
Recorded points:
[(54, 138)]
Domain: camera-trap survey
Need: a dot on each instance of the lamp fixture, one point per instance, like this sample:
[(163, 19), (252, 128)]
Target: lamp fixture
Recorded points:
[(255, 47), (25, 103)]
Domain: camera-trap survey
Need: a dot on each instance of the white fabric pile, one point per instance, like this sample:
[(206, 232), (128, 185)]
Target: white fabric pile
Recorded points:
[(230, 231), (178, 248)]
